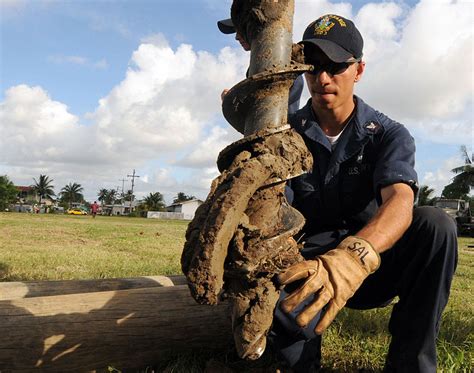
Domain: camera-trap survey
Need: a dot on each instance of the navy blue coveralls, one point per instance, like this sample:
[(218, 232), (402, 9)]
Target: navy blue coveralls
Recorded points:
[(295, 94), (338, 198)]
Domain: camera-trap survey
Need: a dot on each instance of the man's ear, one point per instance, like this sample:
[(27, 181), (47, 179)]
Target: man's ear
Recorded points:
[(360, 71)]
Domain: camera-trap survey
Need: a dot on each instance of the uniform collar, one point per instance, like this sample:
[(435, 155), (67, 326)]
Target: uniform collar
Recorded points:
[(358, 132), (307, 125), (364, 123)]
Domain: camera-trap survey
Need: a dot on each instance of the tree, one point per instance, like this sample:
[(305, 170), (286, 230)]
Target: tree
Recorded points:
[(465, 173), (455, 191), (8, 192), (463, 182), (128, 196), (72, 192), (101, 196), (111, 196), (154, 202), (424, 195), (181, 197), (107, 196), (43, 188)]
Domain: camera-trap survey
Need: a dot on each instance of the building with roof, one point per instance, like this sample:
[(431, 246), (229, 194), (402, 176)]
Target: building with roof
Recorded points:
[(186, 208)]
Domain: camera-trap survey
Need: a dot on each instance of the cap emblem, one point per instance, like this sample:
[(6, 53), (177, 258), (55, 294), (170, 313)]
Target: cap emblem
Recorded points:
[(324, 24)]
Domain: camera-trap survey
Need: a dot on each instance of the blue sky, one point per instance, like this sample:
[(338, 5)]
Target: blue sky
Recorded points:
[(92, 89), (98, 31)]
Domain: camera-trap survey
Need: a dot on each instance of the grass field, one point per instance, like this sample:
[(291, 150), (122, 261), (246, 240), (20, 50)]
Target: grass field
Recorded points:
[(51, 247), (54, 247)]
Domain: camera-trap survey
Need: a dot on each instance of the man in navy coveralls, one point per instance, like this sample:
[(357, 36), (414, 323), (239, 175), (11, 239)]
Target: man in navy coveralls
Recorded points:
[(364, 243)]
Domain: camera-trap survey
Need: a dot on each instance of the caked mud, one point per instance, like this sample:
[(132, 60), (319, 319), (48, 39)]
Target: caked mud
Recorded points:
[(242, 235)]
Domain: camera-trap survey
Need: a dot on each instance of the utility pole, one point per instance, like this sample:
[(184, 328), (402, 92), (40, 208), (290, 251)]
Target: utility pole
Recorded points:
[(133, 176)]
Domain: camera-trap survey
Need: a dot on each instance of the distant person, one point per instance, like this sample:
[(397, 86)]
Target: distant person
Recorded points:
[(227, 27), (94, 209)]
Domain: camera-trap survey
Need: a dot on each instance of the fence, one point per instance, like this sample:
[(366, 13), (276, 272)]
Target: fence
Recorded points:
[(165, 215)]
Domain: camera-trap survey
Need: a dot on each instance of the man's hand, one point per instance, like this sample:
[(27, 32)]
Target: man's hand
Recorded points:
[(332, 278)]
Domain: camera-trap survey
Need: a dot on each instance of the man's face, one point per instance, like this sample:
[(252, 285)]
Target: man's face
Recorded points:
[(331, 90), (243, 43)]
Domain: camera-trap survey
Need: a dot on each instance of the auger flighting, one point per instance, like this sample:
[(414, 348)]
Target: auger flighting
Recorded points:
[(243, 234)]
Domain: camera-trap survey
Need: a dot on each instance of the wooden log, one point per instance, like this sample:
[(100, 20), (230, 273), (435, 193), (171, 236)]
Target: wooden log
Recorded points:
[(28, 289), (91, 331)]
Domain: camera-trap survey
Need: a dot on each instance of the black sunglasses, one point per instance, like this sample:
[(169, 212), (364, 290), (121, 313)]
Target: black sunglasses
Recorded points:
[(332, 68)]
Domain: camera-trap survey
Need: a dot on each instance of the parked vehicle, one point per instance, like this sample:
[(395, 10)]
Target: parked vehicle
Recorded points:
[(459, 210), (76, 211)]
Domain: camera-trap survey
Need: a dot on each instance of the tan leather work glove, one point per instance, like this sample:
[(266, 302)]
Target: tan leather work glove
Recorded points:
[(332, 277)]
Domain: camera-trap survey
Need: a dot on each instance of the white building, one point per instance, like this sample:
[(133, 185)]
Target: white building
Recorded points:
[(187, 208), (118, 208)]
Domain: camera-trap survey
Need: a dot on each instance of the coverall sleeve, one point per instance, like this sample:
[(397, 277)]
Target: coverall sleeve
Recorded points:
[(396, 160), (295, 94)]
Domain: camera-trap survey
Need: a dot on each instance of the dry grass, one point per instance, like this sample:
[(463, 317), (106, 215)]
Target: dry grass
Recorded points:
[(52, 247)]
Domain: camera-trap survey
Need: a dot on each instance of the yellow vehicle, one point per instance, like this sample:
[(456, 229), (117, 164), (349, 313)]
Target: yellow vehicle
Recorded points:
[(76, 212)]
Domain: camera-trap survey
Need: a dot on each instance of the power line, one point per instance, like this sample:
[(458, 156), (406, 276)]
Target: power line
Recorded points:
[(123, 183)]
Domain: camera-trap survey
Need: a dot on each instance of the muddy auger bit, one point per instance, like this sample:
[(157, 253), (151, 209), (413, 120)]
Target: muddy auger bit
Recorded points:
[(242, 235)]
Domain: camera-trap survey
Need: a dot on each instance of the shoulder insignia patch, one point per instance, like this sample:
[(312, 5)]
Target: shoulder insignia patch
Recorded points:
[(372, 127)]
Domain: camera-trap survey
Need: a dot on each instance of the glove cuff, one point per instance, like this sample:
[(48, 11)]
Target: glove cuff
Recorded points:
[(363, 251)]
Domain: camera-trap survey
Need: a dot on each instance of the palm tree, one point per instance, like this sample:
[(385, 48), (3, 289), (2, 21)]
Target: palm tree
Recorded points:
[(129, 196), (182, 197), (110, 197), (424, 195), (107, 196), (102, 195), (154, 202), (43, 188), (72, 193), (464, 173), (463, 182)]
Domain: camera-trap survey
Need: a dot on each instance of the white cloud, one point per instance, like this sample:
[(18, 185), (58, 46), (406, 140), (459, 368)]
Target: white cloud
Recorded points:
[(78, 60), (377, 24), (424, 73), (206, 152), (103, 22), (308, 11), (158, 39), (442, 176), (29, 116), (168, 102)]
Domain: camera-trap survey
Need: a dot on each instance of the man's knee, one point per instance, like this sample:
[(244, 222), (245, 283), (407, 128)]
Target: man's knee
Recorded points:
[(434, 221), (436, 232)]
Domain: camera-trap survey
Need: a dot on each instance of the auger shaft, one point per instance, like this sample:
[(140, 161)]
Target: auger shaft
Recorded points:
[(243, 234), (267, 27)]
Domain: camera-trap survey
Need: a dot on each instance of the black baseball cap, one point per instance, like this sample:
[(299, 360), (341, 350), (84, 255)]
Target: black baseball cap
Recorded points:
[(336, 36), (226, 26)]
